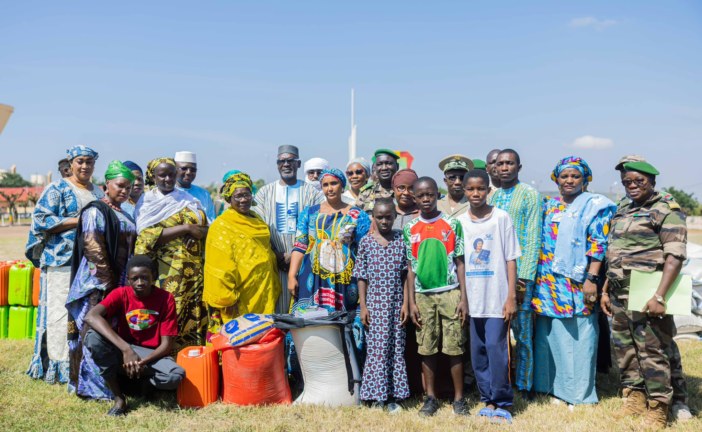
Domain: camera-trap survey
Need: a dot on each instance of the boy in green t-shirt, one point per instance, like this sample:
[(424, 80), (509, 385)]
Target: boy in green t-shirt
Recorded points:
[(437, 293)]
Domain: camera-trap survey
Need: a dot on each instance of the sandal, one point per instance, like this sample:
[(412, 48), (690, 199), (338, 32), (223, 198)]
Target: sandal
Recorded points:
[(501, 416), (486, 412), (117, 412)]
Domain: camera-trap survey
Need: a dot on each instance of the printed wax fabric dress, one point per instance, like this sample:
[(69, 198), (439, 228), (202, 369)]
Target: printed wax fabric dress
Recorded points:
[(104, 244), (566, 331), (180, 272), (329, 242), (52, 253)]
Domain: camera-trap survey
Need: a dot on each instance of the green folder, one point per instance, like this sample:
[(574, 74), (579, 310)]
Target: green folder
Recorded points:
[(643, 285)]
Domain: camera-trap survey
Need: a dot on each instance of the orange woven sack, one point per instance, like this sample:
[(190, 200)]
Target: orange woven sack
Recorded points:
[(255, 374)]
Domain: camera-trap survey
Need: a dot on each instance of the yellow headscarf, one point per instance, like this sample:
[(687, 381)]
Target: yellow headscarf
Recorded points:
[(149, 180), (235, 181)]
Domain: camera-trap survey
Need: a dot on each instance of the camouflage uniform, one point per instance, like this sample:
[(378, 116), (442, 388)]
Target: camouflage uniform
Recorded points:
[(640, 239), (369, 193)]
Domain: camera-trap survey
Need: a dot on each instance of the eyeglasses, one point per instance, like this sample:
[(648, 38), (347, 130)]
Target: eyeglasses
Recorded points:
[(454, 177), (287, 161), (638, 182), (242, 197), (403, 188), (356, 172)]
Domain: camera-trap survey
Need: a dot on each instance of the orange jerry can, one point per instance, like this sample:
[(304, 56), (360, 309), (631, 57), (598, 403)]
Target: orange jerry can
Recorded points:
[(36, 286), (4, 282), (200, 387), (255, 374)]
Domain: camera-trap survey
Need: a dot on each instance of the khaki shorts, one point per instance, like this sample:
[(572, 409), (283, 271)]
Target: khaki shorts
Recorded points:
[(440, 322)]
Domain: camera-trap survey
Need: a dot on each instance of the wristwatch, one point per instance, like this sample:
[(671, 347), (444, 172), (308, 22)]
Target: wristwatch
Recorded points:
[(659, 299), (593, 278), (592, 298)]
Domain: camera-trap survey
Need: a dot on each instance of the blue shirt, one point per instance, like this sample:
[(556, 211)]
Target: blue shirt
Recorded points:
[(205, 199)]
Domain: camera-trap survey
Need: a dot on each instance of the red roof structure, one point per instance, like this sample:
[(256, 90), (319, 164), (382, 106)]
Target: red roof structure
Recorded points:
[(25, 193)]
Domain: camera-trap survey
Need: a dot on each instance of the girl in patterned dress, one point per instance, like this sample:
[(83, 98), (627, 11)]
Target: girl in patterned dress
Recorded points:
[(381, 270)]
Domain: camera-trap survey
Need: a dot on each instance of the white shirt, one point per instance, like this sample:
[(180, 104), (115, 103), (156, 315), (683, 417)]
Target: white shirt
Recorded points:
[(489, 243)]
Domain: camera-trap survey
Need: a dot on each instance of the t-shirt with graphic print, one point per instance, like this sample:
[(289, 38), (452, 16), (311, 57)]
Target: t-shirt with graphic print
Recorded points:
[(142, 321), (432, 247)]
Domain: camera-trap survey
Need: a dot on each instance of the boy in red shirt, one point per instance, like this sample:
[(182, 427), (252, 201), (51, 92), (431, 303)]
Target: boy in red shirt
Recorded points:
[(141, 344)]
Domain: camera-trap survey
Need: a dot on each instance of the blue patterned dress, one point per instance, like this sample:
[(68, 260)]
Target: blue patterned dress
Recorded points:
[(566, 331), (51, 250), (95, 278), (385, 372)]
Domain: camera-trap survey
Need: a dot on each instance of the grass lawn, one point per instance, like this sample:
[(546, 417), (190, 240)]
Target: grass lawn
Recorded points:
[(28, 405)]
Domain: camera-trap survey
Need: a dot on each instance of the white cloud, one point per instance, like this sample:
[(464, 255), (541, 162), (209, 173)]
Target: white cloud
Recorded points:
[(592, 22), (592, 142)]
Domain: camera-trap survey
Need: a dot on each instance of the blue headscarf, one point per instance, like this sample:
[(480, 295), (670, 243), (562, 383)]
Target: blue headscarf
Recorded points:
[(573, 162), (80, 150), (133, 166), (334, 172)]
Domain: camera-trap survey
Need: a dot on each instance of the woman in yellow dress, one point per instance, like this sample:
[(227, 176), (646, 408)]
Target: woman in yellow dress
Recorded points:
[(241, 274), (172, 227)]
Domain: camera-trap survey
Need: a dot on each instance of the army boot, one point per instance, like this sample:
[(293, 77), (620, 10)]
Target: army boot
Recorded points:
[(657, 415), (634, 405)]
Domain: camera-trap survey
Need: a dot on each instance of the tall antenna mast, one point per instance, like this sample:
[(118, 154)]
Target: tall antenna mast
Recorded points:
[(352, 137)]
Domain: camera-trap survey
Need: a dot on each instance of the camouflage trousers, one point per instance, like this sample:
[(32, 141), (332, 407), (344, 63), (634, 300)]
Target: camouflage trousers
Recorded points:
[(643, 346)]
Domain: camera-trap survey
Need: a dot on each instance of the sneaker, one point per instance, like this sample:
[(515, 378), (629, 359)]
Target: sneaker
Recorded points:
[(430, 407), (681, 412), (460, 407), (393, 408)]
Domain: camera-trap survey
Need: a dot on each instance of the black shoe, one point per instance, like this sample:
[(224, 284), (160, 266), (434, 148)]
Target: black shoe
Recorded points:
[(460, 407), (430, 407)]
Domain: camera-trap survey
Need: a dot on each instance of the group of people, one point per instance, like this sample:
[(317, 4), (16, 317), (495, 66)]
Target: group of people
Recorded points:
[(147, 265)]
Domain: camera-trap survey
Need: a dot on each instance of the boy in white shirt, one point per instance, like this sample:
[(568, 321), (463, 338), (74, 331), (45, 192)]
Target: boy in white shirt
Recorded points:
[(491, 249)]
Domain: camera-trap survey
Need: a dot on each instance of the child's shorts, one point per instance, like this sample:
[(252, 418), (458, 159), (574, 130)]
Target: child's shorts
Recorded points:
[(440, 322)]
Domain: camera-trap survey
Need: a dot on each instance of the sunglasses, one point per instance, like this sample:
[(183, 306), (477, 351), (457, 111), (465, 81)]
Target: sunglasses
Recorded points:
[(287, 161), (639, 183), (356, 172)]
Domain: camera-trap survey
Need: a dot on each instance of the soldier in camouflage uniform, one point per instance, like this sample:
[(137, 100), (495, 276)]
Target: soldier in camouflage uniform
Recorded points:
[(680, 409), (648, 233), (384, 167)]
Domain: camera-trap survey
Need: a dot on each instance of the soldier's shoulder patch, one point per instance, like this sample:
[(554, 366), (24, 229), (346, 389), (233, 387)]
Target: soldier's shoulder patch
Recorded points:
[(366, 187), (670, 201)]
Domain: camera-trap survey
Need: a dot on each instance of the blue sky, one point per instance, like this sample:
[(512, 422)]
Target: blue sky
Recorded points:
[(233, 80)]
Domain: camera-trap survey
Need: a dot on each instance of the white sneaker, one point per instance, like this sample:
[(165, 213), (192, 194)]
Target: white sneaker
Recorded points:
[(681, 412)]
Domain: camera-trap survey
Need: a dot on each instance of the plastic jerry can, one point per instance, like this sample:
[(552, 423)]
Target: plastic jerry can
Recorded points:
[(200, 387), (4, 312), (4, 282), (20, 322), (20, 287), (36, 286)]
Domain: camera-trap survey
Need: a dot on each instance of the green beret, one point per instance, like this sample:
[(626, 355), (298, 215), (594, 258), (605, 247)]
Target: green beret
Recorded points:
[(479, 164), (385, 152), (642, 167)]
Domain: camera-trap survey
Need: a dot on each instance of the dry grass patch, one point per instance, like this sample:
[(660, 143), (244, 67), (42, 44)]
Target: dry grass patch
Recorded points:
[(29, 405)]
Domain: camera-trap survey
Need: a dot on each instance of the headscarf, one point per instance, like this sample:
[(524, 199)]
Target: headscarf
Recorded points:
[(404, 176), (133, 166), (151, 166), (234, 182), (117, 169), (573, 162), (229, 174), (334, 172), (361, 161), (80, 150)]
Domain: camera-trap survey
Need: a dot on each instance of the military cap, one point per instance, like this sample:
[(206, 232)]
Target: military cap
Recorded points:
[(455, 162), (628, 158), (642, 167), (479, 164), (385, 152)]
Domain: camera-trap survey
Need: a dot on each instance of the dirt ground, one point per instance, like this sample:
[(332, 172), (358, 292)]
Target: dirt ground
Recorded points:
[(12, 241)]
